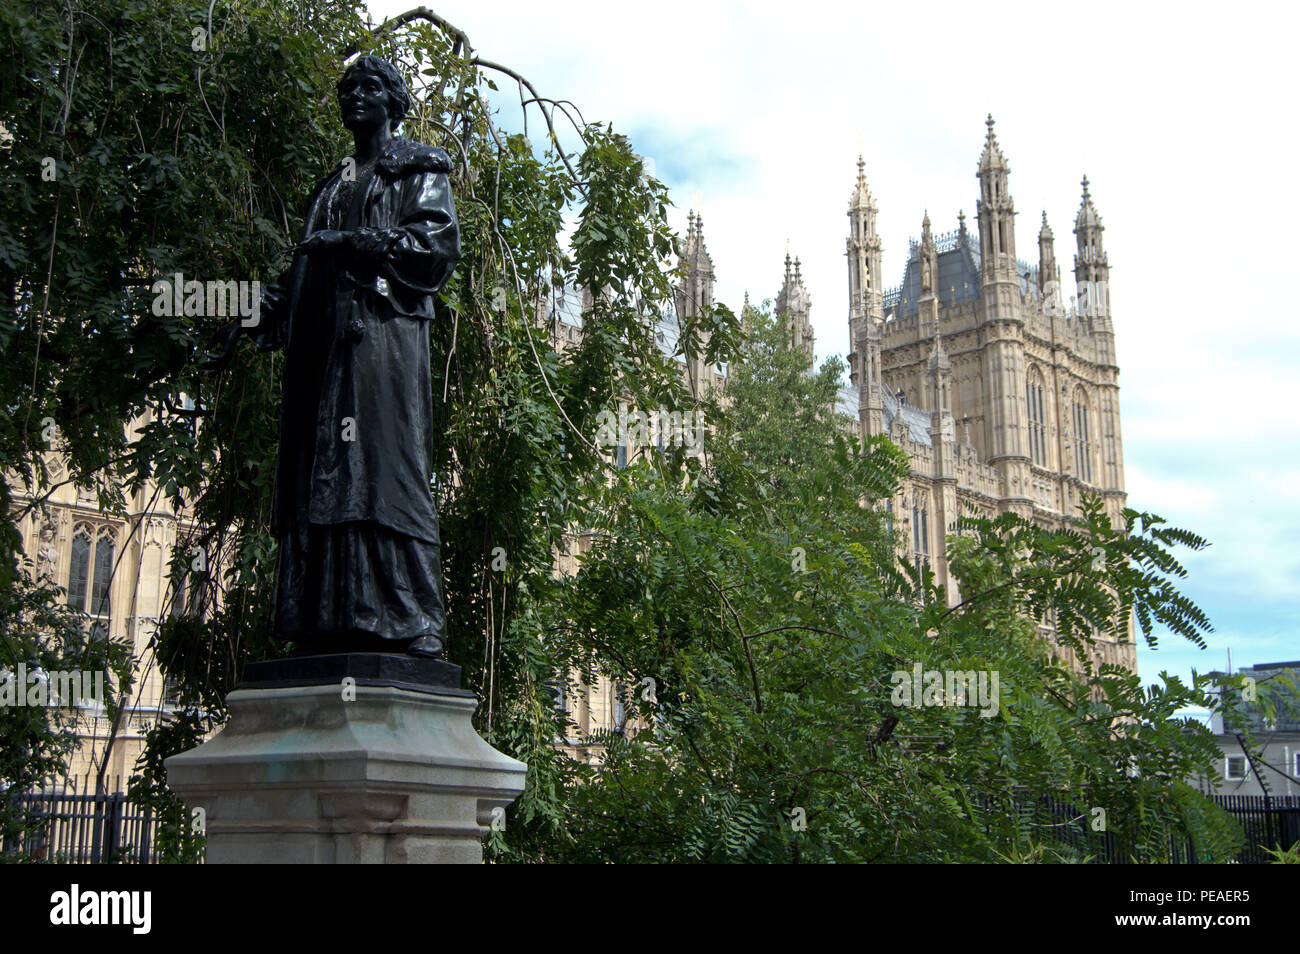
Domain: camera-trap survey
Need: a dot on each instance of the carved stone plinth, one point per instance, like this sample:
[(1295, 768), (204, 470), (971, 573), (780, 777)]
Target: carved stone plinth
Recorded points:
[(347, 759)]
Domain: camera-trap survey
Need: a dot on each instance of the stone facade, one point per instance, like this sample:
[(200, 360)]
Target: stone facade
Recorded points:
[(1003, 397), (117, 569)]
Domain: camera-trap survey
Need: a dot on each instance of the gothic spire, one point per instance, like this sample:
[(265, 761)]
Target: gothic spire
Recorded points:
[(1087, 217), (1091, 267), (695, 252), (992, 157), (793, 306), (997, 215), (929, 260), (862, 198), (1049, 275)]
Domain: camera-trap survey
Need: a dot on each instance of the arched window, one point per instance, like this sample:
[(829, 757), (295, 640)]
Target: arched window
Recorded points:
[(99, 602), (920, 532), (90, 573), (79, 570), (171, 693), (1082, 436), (1037, 419)]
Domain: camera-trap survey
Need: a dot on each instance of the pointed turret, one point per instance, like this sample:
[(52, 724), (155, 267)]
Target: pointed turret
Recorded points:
[(697, 286), (864, 247), (927, 310), (929, 261), (866, 314), (1092, 277), (1049, 273), (1091, 268), (996, 214), (992, 160), (1002, 317), (1087, 217), (793, 306), (695, 293)]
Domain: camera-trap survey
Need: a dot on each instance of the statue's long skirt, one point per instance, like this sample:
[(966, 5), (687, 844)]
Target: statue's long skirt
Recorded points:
[(352, 580)]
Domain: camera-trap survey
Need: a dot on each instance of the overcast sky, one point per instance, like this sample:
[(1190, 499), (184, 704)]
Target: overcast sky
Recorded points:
[(1182, 116)]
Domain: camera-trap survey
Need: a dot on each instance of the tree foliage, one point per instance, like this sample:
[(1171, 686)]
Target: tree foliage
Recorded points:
[(767, 608)]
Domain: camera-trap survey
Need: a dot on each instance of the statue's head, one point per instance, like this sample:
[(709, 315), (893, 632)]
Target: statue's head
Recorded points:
[(370, 85)]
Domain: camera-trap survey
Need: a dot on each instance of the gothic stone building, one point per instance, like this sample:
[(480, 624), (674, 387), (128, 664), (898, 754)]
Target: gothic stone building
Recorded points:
[(1004, 398)]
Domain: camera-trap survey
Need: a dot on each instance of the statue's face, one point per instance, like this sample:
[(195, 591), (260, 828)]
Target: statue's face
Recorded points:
[(363, 103)]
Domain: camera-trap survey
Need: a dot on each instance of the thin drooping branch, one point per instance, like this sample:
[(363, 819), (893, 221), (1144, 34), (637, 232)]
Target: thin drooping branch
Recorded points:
[(392, 24), (464, 49), (546, 114)]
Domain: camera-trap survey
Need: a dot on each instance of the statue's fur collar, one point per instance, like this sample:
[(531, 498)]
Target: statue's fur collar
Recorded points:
[(404, 156)]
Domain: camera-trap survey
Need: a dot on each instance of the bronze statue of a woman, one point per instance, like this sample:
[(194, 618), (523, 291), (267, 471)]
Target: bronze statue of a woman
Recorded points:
[(358, 566)]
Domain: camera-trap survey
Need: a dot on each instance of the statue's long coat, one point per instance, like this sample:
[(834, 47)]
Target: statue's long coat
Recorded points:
[(356, 418)]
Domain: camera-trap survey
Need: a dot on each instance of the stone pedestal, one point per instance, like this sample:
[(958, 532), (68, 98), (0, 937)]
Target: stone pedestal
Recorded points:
[(353, 759)]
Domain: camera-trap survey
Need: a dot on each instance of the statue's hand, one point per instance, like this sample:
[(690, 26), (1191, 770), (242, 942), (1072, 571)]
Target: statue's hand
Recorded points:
[(326, 241), (221, 347), (373, 246)]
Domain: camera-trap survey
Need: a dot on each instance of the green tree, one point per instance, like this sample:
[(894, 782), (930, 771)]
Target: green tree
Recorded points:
[(172, 153), (134, 149), (42, 636), (766, 607)]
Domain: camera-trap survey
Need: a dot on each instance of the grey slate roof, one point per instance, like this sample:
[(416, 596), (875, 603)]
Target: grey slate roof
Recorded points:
[(959, 272), (565, 305), (846, 401), (916, 419)]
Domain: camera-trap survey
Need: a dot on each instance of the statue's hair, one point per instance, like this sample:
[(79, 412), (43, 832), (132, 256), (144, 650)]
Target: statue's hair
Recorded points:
[(399, 99)]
